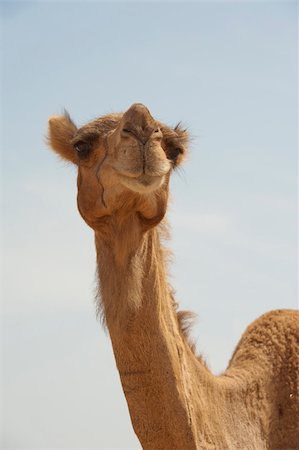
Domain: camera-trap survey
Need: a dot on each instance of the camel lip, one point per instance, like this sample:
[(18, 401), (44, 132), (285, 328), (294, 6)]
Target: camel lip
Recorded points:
[(144, 178), (145, 175), (147, 180), (142, 183)]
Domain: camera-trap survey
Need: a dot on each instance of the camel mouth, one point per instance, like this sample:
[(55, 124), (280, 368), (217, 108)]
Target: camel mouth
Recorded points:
[(143, 183)]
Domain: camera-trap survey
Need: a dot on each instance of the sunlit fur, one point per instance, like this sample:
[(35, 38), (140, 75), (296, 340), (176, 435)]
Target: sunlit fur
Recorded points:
[(175, 402)]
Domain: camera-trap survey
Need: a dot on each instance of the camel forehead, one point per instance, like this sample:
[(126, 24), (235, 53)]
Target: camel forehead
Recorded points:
[(137, 117), (98, 127)]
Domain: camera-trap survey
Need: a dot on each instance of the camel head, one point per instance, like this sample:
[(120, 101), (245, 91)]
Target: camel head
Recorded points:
[(124, 162)]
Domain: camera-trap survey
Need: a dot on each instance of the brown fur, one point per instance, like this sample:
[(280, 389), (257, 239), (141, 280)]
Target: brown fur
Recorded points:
[(124, 163)]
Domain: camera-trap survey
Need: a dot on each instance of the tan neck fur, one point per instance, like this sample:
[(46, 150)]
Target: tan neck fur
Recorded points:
[(147, 341)]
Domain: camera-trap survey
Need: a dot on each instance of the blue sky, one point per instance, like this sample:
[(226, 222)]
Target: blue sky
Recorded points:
[(228, 71)]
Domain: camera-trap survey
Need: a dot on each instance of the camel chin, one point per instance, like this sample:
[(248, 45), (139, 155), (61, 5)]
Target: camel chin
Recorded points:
[(142, 184)]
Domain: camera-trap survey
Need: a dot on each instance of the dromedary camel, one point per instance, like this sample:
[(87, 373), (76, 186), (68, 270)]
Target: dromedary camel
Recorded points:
[(124, 163)]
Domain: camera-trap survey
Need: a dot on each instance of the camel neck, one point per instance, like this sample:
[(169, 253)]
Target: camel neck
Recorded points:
[(151, 353)]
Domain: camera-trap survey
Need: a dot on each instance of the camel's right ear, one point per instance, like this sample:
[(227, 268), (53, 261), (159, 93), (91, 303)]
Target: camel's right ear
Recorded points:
[(61, 132)]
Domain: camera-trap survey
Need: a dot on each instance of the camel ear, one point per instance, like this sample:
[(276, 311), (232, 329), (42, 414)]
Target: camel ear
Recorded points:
[(61, 132), (175, 143)]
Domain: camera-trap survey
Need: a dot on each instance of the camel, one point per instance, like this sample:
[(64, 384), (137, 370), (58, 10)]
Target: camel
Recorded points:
[(124, 163)]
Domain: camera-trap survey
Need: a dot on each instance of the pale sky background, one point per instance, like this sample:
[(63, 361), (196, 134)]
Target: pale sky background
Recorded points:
[(228, 71)]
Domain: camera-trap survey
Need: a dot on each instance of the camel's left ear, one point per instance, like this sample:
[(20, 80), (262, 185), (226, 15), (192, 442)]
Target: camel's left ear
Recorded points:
[(61, 132), (175, 142)]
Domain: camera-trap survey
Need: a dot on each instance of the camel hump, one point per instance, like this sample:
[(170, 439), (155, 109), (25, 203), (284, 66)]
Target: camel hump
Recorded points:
[(269, 342)]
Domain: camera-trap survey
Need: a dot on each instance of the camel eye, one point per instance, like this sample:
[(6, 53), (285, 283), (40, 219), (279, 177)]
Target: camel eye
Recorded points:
[(126, 130), (174, 152), (82, 148), (157, 130)]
